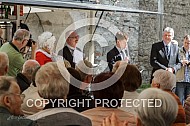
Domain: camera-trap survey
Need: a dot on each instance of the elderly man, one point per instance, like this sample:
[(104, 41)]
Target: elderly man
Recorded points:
[(24, 79), (120, 51), (10, 104), (16, 61), (70, 48), (166, 81), (165, 54), (53, 87), (4, 63)]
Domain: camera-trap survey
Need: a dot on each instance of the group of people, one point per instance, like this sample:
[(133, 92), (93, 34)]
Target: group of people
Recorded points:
[(46, 91)]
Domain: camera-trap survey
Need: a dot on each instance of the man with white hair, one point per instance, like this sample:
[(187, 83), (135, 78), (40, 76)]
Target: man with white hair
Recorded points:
[(4, 63), (24, 78), (16, 60), (165, 54), (68, 51)]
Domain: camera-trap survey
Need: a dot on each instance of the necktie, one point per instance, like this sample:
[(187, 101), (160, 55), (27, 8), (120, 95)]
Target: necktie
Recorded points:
[(123, 55), (167, 51)]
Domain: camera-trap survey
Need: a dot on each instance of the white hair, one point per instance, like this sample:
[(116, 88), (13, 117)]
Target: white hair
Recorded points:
[(166, 79), (46, 39), (164, 115), (168, 29)]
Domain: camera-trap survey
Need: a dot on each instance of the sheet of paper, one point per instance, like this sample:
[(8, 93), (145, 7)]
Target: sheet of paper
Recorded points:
[(77, 56)]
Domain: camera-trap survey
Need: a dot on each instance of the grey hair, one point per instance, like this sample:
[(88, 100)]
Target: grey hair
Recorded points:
[(168, 29), (5, 83), (164, 115), (21, 34), (4, 61), (29, 67), (50, 82), (166, 79)]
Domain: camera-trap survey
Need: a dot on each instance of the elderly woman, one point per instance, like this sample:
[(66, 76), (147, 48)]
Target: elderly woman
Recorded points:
[(46, 44), (164, 115)]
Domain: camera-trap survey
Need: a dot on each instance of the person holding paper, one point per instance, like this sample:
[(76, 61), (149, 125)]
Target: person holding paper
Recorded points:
[(70, 52), (120, 51)]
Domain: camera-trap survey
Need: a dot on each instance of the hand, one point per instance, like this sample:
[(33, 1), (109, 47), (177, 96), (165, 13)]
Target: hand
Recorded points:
[(34, 46), (184, 62), (170, 70), (113, 120)]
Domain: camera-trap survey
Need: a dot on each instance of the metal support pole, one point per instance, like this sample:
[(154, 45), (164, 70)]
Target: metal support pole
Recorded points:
[(18, 17), (160, 17)]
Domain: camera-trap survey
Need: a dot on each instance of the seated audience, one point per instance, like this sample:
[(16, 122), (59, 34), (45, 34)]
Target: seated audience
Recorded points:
[(10, 104), (24, 79), (4, 63), (107, 100), (131, 79), (32, 93), (166, 81), (53, 87), (187, 109), (76, 94), (46, 45), (164, 115)]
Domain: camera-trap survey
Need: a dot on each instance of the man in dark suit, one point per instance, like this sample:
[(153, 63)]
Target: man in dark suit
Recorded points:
[(120, 51), (165, 54), (71, 40)]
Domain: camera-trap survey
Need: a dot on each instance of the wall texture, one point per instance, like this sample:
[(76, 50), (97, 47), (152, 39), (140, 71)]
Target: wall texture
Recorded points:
[(142, 29)]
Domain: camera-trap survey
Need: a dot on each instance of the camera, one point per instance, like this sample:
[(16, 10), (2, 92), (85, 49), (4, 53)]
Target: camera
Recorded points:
[(30, 41)]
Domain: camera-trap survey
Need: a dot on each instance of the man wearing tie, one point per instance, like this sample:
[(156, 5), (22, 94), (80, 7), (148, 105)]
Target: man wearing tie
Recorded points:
[(68, 51), (165, 54), (120, 51)]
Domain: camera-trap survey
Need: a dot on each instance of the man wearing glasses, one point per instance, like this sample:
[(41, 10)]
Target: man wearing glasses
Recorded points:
[(16, 60), (70, 47), (10, 104)]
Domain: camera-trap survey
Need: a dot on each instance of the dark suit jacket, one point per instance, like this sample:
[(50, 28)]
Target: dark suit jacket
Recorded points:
[(22, 81), (158, 58), (6, 119), (112, 56), (68, 56)]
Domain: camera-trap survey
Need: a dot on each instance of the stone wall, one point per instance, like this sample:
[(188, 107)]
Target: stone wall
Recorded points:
[(143, 29)]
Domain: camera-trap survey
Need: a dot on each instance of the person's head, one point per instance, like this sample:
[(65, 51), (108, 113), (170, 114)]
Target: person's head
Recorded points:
[(163, 79), (121, 40), (34, 76), (164, 115), (21, 38), (28, 68), (46, 41), (186, 42), (50, 81), (84, 67), (10, 96), (74, 76), (72, 38), (4, 63), (168, 35), (131, 78), (113, 92)]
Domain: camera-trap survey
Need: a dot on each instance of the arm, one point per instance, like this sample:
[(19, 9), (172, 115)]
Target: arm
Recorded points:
[(154, 59), (34, 48)]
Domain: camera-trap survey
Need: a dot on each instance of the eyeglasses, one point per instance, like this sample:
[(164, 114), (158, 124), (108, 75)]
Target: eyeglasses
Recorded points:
[(74, 37)]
